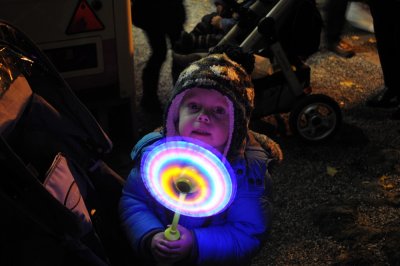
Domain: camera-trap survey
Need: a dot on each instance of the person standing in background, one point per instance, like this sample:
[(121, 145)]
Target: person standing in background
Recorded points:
[(160, 20), (386, 20)]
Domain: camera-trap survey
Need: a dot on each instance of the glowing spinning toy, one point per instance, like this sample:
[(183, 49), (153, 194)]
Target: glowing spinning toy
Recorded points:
[(189, 179)]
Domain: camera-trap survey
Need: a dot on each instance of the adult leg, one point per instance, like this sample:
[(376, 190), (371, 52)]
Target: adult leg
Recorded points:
[(335, 19), (151, 72), (386, 27), (335, 11)]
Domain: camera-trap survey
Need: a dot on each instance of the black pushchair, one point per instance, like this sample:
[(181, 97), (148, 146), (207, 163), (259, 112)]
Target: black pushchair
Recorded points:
[(286, 32), (58, 198)]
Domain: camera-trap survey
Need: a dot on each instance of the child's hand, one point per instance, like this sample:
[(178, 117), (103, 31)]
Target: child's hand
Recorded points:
[(184, 245), (164, 250), (159, 248), (216, 22)]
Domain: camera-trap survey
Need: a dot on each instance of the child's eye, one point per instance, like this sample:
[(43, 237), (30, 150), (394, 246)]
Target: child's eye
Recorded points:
[(220, 111), (193, 107)]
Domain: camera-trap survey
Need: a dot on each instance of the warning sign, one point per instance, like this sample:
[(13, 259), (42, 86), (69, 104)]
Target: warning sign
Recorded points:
[(84, 19)]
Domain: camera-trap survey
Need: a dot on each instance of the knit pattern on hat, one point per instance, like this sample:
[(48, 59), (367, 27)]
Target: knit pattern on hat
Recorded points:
[(220, 73)]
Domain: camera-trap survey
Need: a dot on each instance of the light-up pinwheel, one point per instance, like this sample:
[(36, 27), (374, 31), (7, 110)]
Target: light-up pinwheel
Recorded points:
[(189, 178)]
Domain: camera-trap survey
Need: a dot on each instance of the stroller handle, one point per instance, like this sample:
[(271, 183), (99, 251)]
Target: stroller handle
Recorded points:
[(265, 34), (275, 18), (258, 8)]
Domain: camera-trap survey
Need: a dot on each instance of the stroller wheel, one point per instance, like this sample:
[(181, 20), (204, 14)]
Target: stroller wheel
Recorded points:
[(315, 118)]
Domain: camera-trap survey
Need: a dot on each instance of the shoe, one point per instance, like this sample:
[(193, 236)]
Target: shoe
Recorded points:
[(342, 49), (385, 99)]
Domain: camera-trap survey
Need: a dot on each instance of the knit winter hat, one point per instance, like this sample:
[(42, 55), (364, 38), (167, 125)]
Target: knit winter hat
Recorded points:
[(218, 72), (220, 2)]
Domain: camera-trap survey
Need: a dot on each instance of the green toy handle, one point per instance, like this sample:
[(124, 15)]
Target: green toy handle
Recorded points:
[(172, 233)]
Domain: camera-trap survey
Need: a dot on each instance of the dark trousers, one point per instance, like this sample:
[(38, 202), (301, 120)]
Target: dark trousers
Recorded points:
[(386, 16), (151, 72), (158, 43), (335, 18)]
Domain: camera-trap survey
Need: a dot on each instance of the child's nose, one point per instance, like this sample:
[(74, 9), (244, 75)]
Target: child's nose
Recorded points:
[(203, 117)]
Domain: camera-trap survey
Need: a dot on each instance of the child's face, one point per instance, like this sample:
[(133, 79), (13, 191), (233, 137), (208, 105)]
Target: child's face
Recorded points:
[(203, 115)]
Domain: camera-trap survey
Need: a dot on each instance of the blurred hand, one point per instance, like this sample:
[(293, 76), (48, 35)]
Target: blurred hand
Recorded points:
[(164, 250), (216, 22)]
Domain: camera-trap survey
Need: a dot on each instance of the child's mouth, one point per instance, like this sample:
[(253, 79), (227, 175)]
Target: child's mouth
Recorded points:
[(201, 133)]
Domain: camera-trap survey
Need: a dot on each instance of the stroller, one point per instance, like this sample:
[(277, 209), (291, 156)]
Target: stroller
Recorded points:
[(285, 33), (59, 199)]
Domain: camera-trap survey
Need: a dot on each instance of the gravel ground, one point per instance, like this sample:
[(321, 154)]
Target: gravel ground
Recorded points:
[(336, 203)]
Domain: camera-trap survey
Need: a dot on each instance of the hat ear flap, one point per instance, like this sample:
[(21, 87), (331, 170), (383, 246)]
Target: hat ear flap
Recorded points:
[(172, 115)]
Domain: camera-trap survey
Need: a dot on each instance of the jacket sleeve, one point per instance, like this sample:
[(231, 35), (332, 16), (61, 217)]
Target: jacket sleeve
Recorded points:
[(138, 218), (273, 148), (239, 236), (227, 24)]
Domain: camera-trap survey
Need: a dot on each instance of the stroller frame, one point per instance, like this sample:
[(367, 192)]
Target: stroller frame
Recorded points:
[(313, 117)]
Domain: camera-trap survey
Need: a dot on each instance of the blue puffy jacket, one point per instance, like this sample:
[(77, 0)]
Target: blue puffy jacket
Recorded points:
[(230, 238)]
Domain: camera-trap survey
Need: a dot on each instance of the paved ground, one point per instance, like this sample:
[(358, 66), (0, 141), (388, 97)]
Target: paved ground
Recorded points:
[(336, 203)]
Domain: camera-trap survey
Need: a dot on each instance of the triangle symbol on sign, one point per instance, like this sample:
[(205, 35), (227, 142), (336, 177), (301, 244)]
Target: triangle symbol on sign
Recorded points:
[(84, 19)]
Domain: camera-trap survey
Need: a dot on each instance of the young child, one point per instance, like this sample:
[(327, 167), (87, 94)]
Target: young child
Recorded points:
[(212, 27), (211, 101)]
